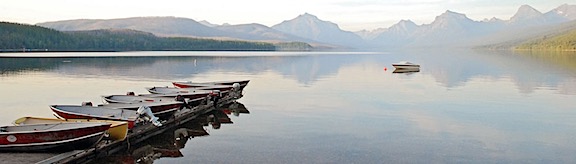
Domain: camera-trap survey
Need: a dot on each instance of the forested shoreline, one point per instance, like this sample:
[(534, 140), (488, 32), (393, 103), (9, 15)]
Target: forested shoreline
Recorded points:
[(562, 42), (21, 37)]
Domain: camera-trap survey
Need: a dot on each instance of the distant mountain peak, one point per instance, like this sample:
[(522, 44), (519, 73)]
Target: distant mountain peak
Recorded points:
[(308, 15), (526, 12), (206, 23), (527, 15), (491, 20), (450, 12), (528, 9), (451, 15), (402, 28), (567, 11), (311, 27), (451, 19), (406, 21), (404, 25), (310, 20)]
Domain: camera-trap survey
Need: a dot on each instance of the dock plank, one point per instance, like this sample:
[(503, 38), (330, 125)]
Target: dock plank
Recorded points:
[(24, 157)]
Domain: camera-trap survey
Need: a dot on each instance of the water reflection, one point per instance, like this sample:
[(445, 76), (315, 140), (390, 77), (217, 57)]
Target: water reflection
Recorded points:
[(406, 71), (561, 59), (169, 143), (529, 72), (462, 107), (306, 69), (235, 109), (452, 68)]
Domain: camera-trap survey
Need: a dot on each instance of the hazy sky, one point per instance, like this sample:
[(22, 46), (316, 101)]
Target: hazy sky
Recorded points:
[(351, 15)]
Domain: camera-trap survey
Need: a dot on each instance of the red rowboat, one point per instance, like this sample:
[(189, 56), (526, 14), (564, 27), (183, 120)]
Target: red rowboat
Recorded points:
[(118, 129), (189, 95), (203, 90), (51, 137), (189, 84)]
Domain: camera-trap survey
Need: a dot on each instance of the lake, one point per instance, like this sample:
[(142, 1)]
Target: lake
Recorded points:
[(463, 106)]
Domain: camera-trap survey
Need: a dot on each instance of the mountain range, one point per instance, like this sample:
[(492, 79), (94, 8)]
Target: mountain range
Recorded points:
[(449, 29)]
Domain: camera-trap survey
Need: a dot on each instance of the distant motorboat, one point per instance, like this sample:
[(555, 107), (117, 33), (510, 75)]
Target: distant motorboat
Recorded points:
[(405, 65)]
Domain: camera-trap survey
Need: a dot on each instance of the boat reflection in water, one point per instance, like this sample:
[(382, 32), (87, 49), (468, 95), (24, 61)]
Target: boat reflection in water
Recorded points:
[(236, 109), (407, 70), (169, 144)]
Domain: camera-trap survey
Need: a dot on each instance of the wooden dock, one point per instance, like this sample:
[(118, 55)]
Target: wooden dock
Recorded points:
[(107, 147)]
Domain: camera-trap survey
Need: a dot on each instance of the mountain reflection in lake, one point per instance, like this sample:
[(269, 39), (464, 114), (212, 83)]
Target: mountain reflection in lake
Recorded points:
[(338, 107)]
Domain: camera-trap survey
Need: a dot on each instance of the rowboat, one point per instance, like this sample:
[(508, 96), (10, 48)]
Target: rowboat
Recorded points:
[(159, 107), (189, 95), (189, 84), (205, 91), (118, 129), (51, 137), (92, 112), (128, 99)]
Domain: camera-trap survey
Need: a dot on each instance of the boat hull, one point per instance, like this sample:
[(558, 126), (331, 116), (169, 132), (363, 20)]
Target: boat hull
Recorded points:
[(87, 112), (173, 95), (118, 129), (164, 108), (128, 99), (53, 140), (242, 83), (190, 93), (406, 66)]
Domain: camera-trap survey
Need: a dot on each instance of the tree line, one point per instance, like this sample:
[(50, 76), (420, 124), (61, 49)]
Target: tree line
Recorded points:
[(561, 42), (22, 37)]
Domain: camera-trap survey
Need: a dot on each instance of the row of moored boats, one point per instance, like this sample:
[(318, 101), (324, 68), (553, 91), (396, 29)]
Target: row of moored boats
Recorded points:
[(84, 125)]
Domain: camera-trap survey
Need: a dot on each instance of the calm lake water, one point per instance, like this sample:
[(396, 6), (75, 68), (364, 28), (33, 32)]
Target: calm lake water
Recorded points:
[(333, 107)]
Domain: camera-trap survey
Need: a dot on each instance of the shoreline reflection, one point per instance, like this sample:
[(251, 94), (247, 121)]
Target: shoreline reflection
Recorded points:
[(529, 71)]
